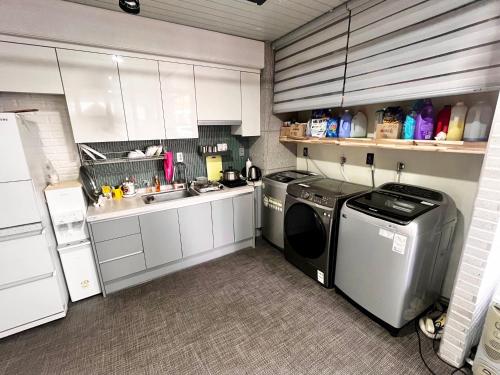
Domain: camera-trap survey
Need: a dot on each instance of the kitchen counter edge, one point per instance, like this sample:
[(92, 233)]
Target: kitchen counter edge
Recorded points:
[(136, 206)]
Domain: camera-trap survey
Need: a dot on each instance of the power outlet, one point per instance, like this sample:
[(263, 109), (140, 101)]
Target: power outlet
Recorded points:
[(305, 152), (242, 152), (370, 158), (180, 157)]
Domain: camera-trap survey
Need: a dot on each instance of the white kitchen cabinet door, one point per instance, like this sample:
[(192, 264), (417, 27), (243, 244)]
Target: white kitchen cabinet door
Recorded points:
[(222, 222), (160, 237), (218, 96), (179, 100), (140, 83), (93, 94), (244, 227), (195, 224), (26, 68), (250, 106)]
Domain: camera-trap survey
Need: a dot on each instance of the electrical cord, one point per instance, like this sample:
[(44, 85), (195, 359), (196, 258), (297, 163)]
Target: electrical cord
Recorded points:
[(316, 165), (434, 340)]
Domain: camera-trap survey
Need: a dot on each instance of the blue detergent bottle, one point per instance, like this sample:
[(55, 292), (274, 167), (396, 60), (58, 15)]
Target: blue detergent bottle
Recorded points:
[(345, 125)]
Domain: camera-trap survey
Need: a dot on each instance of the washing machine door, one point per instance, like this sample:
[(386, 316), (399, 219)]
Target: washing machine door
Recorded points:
[(305, 232)]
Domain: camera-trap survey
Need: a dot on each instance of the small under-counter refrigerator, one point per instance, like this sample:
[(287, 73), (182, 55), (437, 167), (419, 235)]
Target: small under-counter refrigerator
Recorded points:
[(68, 209)]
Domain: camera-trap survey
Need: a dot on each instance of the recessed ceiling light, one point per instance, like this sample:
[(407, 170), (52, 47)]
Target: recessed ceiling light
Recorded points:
[(258, 2), (130, 6)]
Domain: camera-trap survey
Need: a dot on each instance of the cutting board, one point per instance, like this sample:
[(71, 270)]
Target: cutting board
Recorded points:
[(214, 167)]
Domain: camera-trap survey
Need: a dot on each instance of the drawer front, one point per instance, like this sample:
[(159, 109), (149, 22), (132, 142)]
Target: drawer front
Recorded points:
[(21, 211), (122, 267), (24, 258), (109, 230), (118, 247), (29, 302)]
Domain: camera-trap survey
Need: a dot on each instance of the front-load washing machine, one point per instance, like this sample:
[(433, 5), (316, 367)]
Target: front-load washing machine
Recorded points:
[(311, 224), (393, 251), (273, 201)]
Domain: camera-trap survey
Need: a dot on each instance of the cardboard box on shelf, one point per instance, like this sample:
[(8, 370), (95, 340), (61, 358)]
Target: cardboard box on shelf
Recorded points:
[(388, 130), (298, 131), (285, 131)]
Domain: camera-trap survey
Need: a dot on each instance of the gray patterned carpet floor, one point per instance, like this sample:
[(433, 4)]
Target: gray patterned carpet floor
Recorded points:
[(247, 313)]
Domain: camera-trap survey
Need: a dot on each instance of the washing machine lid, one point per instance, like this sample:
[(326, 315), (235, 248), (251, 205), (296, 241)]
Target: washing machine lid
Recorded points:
[(396, 208), (289, 176)]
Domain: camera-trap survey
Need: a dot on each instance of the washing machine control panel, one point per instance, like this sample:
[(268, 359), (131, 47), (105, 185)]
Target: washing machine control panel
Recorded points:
[(317, 198)]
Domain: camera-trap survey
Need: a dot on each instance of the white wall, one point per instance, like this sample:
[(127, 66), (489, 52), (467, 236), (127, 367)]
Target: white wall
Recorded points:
[(61, 21), (478, 274), (52, 121), (455, 174)]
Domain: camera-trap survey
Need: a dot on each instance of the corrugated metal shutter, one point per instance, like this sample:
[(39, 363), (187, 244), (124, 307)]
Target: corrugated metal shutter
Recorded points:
[(412, 48), (310, 64)]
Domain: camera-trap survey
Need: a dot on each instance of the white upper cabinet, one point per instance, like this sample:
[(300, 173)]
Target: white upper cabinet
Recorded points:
[(179, 100), (26, 68), (93, 94), (140, 84), (250, 106), (218, 96)]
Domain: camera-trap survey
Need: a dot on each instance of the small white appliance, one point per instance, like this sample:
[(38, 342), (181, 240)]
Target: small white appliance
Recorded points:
[(32, 290), (487, 360), (68, 207)]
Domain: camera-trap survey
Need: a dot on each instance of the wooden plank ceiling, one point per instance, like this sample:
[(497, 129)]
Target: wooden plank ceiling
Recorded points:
[(267, 22)]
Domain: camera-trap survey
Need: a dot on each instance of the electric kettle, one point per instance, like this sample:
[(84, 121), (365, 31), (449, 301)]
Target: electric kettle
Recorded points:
[(254, 173)]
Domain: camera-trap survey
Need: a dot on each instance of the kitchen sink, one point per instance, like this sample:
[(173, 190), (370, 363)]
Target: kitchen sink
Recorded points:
[(168, 196)]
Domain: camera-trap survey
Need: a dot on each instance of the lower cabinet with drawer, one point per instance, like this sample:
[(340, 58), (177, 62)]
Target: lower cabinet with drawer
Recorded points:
[(125, 266), (139, 248)]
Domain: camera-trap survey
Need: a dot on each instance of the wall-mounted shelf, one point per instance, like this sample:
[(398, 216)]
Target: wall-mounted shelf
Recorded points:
[(204, 154), (459, 147), (120, 160)]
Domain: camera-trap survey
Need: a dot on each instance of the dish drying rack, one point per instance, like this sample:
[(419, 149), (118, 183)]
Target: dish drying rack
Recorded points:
[(115, 157)]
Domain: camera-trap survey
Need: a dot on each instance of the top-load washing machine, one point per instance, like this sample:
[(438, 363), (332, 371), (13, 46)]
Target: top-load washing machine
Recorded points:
[(311, 223), (393, 251), (273, 201)]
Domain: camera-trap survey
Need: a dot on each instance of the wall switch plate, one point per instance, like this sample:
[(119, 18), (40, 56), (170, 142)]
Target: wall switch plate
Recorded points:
[(242, 151), (305, 152), (180, 157)]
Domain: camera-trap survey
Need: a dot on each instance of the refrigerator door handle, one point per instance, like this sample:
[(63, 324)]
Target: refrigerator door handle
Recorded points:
[(26, 281), (13, 233)]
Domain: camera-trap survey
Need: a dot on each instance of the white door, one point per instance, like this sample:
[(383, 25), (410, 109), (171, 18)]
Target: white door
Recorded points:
[(24, 258), (250, 106), (179, 100), (93, 94), (18, 205), (13, 166), (29, 302), (218, 96), (26, 68), (140, 83)]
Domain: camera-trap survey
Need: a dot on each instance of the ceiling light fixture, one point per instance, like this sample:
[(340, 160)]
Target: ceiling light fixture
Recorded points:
[(130, 6), (258, 2)]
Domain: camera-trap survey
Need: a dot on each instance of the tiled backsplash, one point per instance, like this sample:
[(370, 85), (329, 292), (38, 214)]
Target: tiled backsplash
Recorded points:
[(195, 163), (53, 126)]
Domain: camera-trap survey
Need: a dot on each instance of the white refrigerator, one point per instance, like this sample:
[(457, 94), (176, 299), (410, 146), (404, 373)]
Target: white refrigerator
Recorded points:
[(32, 288)]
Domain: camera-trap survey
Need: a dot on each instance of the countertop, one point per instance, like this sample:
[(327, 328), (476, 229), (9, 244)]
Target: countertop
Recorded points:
[(113, 209)]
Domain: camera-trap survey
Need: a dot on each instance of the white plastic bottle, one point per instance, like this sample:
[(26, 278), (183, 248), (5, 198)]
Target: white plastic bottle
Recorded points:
[(457, 122), (248, 164), (478, 122), (359, 125)]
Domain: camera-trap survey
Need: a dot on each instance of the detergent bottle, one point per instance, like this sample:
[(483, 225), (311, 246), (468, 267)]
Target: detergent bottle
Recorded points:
[(424, 127), (457, 122)]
